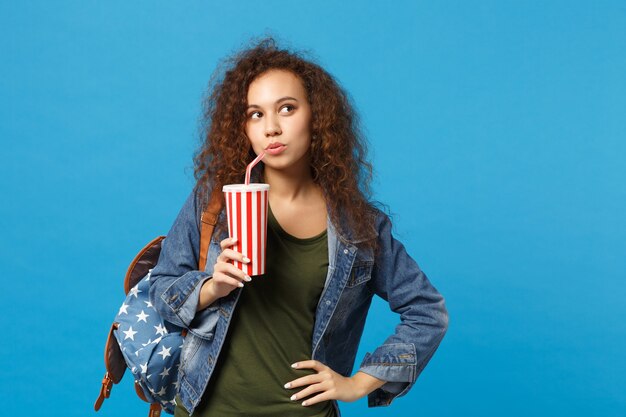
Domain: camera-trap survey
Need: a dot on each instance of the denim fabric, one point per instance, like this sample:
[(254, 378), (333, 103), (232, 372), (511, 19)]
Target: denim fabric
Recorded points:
[(353, 278)]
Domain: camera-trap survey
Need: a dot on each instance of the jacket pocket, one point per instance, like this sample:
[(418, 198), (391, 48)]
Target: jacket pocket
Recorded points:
[(361, 272)]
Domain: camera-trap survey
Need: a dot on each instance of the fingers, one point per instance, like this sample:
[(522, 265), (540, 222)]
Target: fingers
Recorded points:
[(226, 279), (229, 254), (311, 389), (231, 270), (306, 380), (229, 241), (324, 396), (313, 364)]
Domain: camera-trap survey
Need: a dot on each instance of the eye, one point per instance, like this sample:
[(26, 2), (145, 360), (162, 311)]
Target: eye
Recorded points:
[(251, 115), (288, 106)]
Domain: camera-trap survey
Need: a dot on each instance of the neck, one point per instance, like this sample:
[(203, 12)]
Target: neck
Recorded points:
[(289, 185)]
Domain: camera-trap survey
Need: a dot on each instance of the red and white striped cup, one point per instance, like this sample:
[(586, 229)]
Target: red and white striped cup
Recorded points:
[(246, 208)]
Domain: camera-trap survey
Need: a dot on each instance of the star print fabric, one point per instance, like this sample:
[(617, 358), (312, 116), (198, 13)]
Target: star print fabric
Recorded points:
[(150, 345)]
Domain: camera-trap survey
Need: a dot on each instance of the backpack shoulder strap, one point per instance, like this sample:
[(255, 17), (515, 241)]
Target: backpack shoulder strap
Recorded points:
[(208, 219)]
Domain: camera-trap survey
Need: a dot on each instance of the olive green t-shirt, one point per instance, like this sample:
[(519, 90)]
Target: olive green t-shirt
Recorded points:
[(271, 328)]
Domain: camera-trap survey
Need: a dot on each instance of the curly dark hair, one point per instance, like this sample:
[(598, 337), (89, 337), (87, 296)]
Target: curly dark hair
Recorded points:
[(338, 148)]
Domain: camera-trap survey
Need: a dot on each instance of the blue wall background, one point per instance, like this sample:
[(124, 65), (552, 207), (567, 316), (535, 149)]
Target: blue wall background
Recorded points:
[(497, 133)]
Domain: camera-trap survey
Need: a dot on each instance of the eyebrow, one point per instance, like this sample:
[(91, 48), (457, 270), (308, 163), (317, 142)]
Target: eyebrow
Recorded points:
[(277, 101)]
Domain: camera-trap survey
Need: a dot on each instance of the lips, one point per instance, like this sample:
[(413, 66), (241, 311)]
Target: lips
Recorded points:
[(275, 148), (274, 145)]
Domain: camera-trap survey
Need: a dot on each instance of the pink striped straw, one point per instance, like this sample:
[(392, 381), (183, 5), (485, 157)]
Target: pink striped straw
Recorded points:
[(251, 165)]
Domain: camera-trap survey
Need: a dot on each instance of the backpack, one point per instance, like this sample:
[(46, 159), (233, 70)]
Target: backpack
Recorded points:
[(139, 339)]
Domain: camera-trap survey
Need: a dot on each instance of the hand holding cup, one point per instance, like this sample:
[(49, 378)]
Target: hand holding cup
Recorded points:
[(226, 277)]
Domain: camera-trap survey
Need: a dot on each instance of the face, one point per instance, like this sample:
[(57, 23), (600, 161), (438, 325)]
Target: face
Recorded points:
[(279, 113)]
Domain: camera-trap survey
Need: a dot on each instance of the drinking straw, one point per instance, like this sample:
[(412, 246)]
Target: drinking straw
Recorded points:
[(251, 165)]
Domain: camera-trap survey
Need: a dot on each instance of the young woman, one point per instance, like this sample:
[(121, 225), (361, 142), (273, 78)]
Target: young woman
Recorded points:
[(284, 343)]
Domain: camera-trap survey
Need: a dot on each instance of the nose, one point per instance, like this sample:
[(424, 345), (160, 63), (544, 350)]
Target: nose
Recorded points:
[(272, 127)]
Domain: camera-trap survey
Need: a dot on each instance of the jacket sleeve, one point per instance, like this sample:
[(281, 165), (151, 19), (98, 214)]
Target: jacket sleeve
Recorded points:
[(398, 279), (175, 281)]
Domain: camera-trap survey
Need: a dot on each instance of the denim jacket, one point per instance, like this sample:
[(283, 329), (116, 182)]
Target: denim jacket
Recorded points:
[(353, 278)]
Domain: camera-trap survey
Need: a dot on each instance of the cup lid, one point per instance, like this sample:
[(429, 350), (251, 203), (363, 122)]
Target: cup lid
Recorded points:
[(246, 187)]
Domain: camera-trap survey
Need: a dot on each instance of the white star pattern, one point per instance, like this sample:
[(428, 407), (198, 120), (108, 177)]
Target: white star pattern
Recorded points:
[(165, 352), (142, 317), (123, 309), (160, 329), (144, 354), (130, 334), (135, 291)]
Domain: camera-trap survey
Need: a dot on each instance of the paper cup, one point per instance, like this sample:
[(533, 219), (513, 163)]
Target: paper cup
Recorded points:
[(246, 209)]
